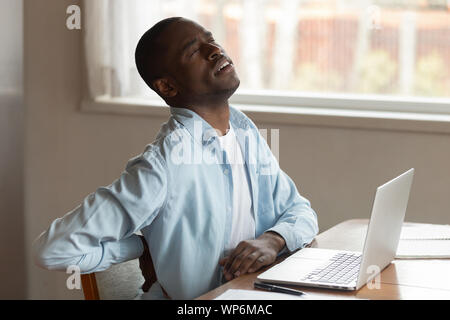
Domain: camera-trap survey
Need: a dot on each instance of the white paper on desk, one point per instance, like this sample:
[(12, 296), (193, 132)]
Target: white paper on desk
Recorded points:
[(240, 294), (425, 231), (423, 249)]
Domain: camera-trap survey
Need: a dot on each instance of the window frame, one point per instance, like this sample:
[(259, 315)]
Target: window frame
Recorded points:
[(338, 110), (363, 102), (314, 111)]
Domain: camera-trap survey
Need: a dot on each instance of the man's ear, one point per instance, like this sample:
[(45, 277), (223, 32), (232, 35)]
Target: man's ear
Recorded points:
[(165, 88)]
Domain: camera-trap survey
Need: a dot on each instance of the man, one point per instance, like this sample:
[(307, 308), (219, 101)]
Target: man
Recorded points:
[(207, 194)]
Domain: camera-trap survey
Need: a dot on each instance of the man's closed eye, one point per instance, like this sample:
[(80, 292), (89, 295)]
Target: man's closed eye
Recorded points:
[(193, 53)]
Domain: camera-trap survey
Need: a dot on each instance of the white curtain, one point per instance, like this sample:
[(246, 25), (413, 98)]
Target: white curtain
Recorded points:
[(111, 31)]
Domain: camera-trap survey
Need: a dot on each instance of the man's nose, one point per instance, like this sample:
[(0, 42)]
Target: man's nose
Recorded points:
[(214, 52)]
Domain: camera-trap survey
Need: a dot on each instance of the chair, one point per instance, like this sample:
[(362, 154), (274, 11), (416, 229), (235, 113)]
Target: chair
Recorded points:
[(120, 282)]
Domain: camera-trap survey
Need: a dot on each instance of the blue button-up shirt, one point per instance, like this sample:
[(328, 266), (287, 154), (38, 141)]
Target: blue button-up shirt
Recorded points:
[(178, 193)]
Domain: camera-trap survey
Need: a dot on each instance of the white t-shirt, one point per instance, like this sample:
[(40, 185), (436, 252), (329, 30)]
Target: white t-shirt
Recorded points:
[(243, 221)]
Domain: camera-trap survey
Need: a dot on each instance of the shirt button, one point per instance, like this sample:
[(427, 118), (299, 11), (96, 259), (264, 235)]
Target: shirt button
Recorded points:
[(225, 171)]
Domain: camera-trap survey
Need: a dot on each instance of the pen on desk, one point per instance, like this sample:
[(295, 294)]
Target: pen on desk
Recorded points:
[(274, 288)]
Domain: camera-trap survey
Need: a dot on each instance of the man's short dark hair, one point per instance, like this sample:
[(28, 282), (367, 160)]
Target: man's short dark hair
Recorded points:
[(149, 51)]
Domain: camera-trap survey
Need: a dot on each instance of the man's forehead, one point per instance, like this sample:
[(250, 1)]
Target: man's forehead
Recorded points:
[(182, 31)]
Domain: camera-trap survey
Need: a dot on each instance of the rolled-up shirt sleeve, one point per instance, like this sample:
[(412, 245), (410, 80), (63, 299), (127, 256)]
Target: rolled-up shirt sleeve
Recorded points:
[(296, 221), (100, 232)]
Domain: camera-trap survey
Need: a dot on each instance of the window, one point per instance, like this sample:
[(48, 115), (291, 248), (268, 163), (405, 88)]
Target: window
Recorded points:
[(286, 50)]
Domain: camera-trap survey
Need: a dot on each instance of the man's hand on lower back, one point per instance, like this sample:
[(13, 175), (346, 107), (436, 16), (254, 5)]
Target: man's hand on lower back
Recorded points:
[(250, 255), (146, 266)]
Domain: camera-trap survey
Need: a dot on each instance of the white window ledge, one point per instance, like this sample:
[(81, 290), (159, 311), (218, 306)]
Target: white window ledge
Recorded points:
[(290, 115)]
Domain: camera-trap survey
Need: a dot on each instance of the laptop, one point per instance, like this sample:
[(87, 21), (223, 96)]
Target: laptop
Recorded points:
[(350, 270)]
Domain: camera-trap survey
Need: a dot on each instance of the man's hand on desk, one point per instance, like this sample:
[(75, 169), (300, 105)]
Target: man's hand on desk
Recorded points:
[(251, 255)]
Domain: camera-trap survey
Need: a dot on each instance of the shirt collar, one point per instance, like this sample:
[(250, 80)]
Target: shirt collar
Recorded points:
[(201, 130)]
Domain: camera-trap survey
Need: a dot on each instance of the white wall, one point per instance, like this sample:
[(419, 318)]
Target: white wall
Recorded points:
[(69, 154), (12, 243)]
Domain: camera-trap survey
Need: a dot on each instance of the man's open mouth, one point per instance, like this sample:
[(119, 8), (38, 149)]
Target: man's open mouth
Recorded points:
[(224, 67)]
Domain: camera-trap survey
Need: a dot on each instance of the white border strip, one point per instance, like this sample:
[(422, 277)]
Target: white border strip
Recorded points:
[(343, 101)]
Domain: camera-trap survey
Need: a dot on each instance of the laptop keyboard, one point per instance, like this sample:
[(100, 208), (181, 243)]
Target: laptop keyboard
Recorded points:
[(341, 269)]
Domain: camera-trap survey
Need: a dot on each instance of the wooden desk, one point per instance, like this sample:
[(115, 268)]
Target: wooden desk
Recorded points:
[(402, 279)]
